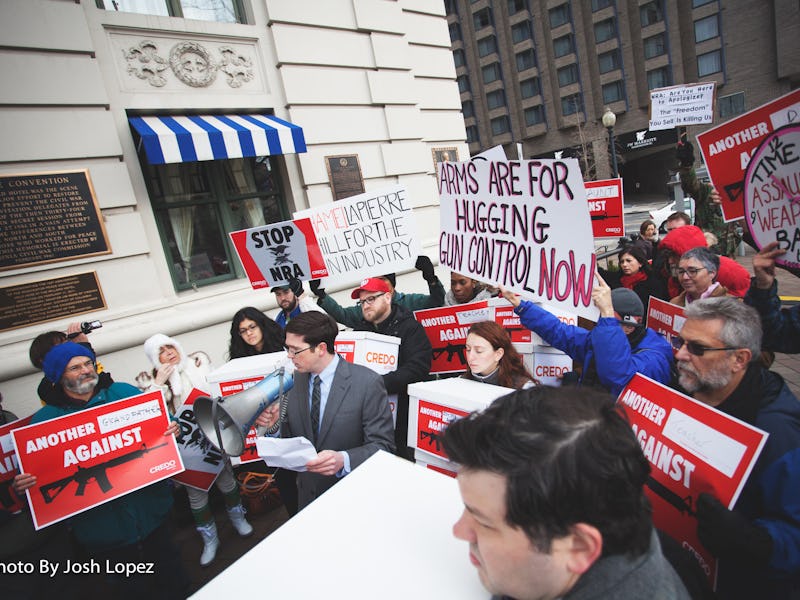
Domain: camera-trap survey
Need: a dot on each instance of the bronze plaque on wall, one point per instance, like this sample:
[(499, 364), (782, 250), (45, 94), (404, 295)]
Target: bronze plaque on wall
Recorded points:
[(47, 217), (49, 300), (344, 174)]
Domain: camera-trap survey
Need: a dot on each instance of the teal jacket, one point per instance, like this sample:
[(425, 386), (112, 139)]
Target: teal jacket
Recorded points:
[(128, 519)]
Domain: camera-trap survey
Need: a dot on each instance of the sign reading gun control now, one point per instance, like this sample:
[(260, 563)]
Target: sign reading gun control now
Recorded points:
[(692, 449), (96, 455), (521, 224)]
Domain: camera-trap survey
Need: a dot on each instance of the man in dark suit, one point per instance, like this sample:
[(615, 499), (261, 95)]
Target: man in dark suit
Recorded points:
[(342, 408)]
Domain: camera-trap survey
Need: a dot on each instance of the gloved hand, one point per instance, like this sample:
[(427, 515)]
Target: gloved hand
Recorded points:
[(684, 152), (425, 265), (318, 291), (730, 536)]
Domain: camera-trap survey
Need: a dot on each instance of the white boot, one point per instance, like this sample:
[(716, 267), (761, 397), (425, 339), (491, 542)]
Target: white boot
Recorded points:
[(236, 515), (210, 543)]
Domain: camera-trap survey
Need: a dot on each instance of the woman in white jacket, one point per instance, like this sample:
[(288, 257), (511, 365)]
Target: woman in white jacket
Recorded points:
[(176, 374)]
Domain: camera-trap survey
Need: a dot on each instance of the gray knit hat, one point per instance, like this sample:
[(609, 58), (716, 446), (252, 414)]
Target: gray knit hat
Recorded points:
[(627, 305)]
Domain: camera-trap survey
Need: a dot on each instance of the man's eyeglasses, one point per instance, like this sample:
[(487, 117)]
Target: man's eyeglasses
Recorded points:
[(690, 271), (292, 352), (369, 300), (89, 364), (248, 329), (693, 347)]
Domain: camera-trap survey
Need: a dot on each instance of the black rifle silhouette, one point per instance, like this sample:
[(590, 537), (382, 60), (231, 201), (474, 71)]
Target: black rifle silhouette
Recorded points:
[(452, 350), (433, 437), (97, 472), (684, 505), (604, 216)]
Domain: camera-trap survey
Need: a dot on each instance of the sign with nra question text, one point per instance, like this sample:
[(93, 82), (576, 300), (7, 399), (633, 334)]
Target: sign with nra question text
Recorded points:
[(10, 502), (727, 150), (203, 462), (692, 449), (606, 207), (681, 105), (96, 455)]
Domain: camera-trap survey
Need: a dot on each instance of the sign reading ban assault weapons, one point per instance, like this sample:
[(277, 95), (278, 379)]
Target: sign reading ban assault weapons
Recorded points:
[(93, 456)]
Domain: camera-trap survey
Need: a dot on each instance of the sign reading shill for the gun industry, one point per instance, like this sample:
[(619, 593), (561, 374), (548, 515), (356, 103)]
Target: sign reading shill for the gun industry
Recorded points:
[(273, 254), (366, 235), (203, 461), (521, 224), (446, 328), (693, 449), (9, 501), (95, 455)]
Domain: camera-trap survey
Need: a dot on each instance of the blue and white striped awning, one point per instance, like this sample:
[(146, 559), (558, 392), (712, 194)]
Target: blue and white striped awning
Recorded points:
[(213, 137)]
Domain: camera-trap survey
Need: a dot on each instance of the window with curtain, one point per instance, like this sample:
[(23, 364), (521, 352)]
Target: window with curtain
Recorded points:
[(571, 104), (658, 78), (496, 99), (221, 11), (559, 15), (491, 73), (526, 59), (472, 134), (604, 30), (651, 13), (482, 18), (455, 31), (487, 46), (563, 46), (515, 6), (655, 45), (534, 115), (600, 4), (458, 58), (609, 61), (463, 83), (613, 92), (706, 29), (467, 109), (732, 105), (529, 87), (521, 31), (197, 204), (500, 125), (567, 75), (708, 63)]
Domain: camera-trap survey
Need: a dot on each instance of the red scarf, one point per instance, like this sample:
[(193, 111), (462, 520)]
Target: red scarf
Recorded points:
[(629, 281)]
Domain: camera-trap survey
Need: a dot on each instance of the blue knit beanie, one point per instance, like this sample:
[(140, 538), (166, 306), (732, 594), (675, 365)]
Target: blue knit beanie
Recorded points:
[(59, 356)]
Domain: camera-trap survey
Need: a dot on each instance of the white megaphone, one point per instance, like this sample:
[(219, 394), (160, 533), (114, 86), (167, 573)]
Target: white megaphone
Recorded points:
[(227, 421)]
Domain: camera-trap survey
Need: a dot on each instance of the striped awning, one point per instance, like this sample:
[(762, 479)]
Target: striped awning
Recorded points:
[(176, 139)]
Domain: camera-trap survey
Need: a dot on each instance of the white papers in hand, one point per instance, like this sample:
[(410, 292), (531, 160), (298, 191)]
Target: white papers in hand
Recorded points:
[(288, 453)]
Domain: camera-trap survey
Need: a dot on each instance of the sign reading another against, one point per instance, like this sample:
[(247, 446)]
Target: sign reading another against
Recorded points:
[(664, 317), (432, 420), (273, 254), (521, 224), (447, 328), (366, 235), (728, 147), (681, 105), (692, 449), (606, 207), (772, 193), (48, 217), (93, 456), (9, 501), (49, 299)]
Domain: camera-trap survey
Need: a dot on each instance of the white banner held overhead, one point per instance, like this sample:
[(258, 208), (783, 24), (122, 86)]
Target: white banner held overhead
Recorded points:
[(681, 105)]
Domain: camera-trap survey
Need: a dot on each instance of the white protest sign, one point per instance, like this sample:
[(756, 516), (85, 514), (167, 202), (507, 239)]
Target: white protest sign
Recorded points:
[(772, 193), (495, 153), (681, 105), (366, 235), (521, 224)]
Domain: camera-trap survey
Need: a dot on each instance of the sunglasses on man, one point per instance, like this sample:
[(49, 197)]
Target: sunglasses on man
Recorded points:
[(694, 348)]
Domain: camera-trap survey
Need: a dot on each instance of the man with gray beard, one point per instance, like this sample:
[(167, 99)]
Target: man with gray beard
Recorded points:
[(757, 543)]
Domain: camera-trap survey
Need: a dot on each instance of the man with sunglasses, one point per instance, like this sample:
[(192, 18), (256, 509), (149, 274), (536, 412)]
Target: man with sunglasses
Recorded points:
[(758, 543), (382, 315)]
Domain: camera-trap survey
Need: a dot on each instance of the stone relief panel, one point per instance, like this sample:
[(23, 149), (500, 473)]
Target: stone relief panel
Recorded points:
[(174, 64)]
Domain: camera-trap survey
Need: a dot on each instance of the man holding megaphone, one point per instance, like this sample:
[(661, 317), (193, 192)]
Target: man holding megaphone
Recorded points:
[(340, 407)]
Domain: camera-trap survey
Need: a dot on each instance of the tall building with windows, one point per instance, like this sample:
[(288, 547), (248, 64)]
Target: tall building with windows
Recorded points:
[(192, 119), (540, 73)]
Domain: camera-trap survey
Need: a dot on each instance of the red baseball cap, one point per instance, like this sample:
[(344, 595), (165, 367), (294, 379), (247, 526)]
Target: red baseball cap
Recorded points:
[(371, 284)]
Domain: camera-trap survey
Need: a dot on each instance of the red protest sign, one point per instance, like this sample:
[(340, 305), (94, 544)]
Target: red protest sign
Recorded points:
[(432, 420), (275, 253), (505, 316), (9, 501), (203, 462), (606, 207), (728, 147), (772, 193), (692, 448), (446, 328), (93, 456), (664, 317), (228, 388)]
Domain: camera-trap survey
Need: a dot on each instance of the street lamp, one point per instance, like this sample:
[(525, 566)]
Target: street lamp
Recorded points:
[(609, 120)]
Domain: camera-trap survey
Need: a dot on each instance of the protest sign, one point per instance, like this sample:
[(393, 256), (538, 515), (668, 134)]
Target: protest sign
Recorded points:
[(9, 500), (692, 449), (664, 317), (366, 235), (681, 105), (520, 224), (203, 462), (505, 316), (727, 148), (446, 328), (606, 207), (772, 193), (432, 420), (275, 253), (229, 388), (96, 455)]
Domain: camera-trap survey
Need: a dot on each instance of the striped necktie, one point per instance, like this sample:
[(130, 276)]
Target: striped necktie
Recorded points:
[(316, 396)]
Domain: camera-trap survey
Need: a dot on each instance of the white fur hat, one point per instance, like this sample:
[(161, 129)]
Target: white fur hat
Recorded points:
[(152, 348)]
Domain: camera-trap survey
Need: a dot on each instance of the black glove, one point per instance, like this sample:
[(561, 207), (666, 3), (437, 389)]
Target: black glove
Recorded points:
[(318, 291), (685, 152), (730, 536), (425, 265)]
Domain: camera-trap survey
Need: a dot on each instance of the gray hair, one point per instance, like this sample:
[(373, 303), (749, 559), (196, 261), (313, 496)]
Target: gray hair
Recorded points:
[(705, 257), (741, 325)]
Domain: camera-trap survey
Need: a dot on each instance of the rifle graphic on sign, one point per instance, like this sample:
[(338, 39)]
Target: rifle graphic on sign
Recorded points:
[(684, 505), (97, 472), (433, 439), (452, 350)]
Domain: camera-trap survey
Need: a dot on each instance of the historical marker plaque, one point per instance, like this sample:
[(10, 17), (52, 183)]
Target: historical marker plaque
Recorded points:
[(48, 217), (49, 299), (344, 174)]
